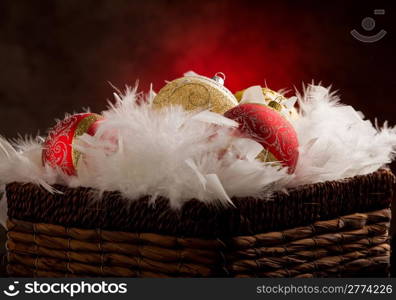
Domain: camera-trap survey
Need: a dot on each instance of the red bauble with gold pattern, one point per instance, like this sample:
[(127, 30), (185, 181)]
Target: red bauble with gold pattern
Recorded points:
[(58, 150), (269, 128)]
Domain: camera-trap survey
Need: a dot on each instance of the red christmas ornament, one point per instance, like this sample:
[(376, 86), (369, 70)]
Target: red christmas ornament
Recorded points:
[(58, 150), (269, 128)]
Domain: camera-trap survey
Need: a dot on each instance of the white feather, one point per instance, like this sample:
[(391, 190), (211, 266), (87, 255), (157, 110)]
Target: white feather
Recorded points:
[(335, 141), (139, 151)]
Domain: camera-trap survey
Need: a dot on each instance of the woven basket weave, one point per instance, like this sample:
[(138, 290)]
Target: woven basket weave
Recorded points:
[(331, 229)]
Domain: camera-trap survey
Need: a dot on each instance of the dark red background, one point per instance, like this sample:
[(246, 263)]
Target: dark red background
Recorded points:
[(58, 56)]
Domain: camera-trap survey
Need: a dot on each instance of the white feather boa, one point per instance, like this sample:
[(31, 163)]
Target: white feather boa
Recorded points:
[(182, 155)]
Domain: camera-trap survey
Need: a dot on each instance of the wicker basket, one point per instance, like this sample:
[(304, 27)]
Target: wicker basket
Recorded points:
[(336, 228)]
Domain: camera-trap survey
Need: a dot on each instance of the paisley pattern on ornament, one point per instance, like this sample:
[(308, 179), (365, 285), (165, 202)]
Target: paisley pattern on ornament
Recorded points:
[(269, 129), (58, 145), (59, 150)]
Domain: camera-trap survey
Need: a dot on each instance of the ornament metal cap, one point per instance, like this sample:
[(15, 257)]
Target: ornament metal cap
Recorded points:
[(219, 77)]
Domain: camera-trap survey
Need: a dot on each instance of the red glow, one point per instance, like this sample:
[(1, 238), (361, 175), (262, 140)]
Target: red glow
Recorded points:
[(250, 46)]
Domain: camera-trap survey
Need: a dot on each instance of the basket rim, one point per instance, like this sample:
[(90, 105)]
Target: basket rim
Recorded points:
[(299, 206)]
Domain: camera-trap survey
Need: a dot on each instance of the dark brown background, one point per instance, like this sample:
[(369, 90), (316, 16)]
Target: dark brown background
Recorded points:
[(58, 56)]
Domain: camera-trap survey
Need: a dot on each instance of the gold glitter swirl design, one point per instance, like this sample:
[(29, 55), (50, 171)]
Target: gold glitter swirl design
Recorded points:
[(196, 92), (196, 96)]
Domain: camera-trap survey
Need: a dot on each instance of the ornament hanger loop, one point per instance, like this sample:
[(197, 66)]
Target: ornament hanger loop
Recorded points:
[(219, 77)]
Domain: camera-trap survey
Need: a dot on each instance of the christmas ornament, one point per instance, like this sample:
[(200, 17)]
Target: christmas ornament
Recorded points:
[(268, 127), (58, 150), (197, 92), (266, 96)]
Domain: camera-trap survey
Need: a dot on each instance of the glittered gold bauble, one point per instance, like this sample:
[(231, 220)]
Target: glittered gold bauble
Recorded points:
[(274, 100), (238, 95), (196, 92), (58, 150), (269, 95)]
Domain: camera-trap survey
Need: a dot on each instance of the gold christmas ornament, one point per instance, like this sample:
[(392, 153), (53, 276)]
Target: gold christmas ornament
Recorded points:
[(266, 156), (197, 92), (269, 95), (274, 100)]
